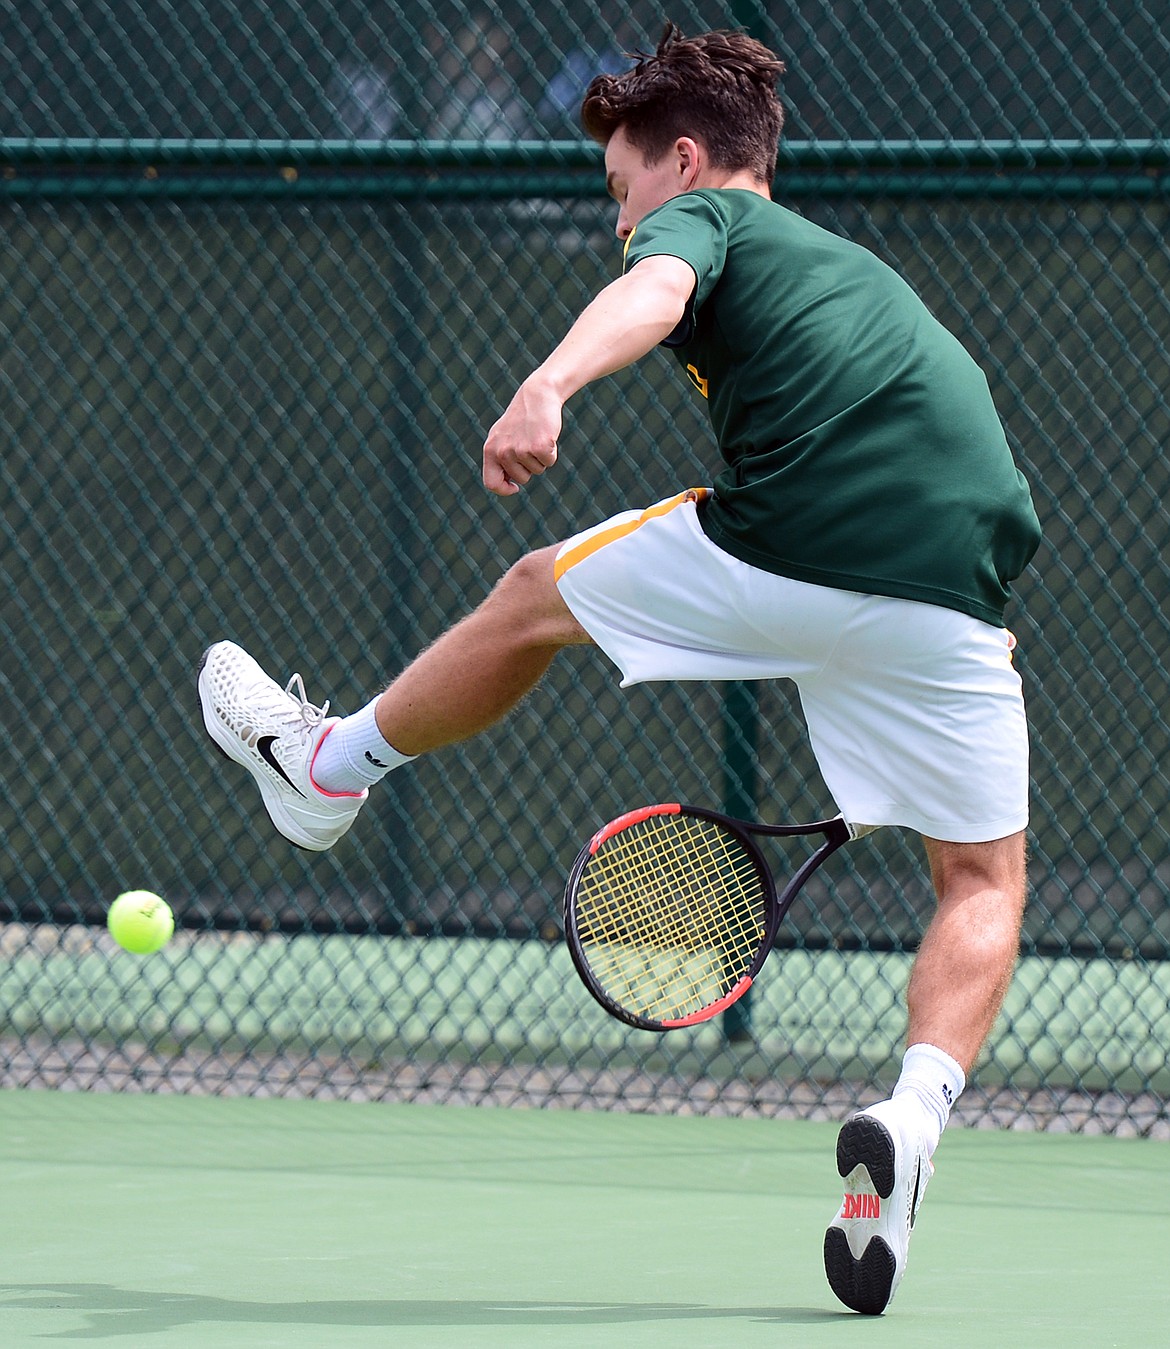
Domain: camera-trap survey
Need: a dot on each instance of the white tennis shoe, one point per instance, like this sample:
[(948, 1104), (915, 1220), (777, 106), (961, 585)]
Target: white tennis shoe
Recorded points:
[(275, 733), (882, 1158)]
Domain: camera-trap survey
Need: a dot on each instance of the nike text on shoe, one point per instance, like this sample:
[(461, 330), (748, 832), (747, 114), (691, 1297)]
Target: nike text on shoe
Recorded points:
[(275, 734), (883, 1161)]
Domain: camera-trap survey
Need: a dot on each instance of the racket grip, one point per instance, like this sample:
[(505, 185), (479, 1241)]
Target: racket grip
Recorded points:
[(860, 830)]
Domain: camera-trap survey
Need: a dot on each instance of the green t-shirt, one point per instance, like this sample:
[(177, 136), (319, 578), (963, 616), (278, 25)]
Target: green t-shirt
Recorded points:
[(862, 448)]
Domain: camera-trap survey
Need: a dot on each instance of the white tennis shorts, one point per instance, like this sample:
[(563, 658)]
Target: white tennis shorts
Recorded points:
[(915, 712)]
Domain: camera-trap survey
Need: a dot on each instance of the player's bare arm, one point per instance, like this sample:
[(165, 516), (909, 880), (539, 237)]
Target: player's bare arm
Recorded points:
[(624, 322)]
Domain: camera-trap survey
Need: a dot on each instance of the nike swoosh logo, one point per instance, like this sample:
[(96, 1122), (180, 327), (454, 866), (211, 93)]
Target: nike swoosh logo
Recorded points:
[(914, 1196), (264, 749)]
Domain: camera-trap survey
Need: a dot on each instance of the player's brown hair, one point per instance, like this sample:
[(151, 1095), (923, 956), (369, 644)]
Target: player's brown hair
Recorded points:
[(719, 88)]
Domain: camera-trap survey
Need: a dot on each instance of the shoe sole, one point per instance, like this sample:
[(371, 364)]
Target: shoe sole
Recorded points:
[(231, 758), (863, 1284)]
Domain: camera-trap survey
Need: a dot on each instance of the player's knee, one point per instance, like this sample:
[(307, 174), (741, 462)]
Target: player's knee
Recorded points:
[(961, 868), (536, 613)]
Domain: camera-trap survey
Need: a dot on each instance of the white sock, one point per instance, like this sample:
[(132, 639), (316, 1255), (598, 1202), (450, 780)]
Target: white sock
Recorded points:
[(935, 1080), (355, 754)]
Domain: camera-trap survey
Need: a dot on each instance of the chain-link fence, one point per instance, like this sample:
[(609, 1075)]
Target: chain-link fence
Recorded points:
[(271, 272)]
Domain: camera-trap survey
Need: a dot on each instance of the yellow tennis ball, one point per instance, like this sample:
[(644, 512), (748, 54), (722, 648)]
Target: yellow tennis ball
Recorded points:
[(140, 921)]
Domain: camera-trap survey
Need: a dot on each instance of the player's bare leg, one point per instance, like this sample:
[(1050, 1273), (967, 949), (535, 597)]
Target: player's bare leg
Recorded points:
[(967, 957), (483, 666), (314, 771)]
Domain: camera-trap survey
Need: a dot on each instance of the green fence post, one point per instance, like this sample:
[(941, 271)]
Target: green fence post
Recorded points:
[(740, 733)]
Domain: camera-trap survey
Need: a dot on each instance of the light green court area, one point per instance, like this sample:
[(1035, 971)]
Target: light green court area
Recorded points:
[(140, 1220), (823, 1015)]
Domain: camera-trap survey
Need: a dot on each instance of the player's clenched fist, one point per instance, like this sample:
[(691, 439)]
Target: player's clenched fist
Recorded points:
[(523, 443)]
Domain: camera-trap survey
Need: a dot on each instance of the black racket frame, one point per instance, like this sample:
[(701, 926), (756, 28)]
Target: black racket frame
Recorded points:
[(836, 831)]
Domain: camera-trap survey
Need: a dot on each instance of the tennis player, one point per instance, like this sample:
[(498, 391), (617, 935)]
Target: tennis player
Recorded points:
[(859, 538)]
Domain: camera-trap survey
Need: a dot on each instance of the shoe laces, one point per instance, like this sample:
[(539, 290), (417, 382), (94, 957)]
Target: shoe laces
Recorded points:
[(311, 714)]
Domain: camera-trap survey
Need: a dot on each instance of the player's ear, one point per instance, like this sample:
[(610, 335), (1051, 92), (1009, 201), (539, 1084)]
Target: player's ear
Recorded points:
[(689, 159)]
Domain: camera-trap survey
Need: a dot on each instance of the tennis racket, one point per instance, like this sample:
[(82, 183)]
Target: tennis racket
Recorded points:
[(671, 910)]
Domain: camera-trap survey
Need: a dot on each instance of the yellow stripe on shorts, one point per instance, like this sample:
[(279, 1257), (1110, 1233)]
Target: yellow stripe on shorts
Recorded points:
[(587, 547)]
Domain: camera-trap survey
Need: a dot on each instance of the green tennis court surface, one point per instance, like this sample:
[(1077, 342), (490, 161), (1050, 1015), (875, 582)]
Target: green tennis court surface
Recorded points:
[(166, 1220)]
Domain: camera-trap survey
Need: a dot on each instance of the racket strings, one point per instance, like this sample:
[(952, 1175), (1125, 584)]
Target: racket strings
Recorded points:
[(671, 914)]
